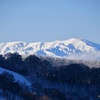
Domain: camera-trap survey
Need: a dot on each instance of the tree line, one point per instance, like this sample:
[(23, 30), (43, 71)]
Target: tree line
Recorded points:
[(35, 66)]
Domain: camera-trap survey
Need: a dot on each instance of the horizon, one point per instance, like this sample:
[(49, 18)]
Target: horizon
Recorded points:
[(82, 39), (45, 21), (50, 41)]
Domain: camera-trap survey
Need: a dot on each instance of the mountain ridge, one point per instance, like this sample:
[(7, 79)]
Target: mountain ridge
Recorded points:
[(60, 48)]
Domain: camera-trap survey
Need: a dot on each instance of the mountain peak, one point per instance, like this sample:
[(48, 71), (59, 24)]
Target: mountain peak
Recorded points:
[(77, 39), (55, 48)]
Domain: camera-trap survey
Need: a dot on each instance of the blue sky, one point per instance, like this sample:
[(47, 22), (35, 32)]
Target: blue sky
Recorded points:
[(49, 20)]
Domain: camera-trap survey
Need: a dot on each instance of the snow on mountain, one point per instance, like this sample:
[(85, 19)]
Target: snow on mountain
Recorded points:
[(17, 76), (55, 48)]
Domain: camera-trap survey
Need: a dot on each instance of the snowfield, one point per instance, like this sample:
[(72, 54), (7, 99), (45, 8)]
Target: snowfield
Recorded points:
[(55, 48), (17, 76)]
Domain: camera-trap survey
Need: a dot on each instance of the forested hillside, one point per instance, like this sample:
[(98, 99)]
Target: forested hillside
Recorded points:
[(49, 78)]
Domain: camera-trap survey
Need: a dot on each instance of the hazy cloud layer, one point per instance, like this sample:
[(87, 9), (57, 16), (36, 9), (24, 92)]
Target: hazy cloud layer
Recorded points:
[(86, 56)]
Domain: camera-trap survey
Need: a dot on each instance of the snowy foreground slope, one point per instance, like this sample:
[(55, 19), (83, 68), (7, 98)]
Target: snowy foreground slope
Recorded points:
[(17, 76), (55, 48)]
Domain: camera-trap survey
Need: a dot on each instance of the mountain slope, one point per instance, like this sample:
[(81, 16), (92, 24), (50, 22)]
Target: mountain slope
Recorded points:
[(55, 48), (17, 76)]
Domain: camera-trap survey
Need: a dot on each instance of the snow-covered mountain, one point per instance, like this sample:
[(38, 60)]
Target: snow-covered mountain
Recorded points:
[(55, 48)]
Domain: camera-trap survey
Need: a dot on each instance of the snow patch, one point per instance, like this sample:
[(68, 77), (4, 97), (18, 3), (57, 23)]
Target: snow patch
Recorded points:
[(17, 76)]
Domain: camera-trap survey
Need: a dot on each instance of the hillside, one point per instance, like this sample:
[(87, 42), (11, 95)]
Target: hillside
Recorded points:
[(40, 78)]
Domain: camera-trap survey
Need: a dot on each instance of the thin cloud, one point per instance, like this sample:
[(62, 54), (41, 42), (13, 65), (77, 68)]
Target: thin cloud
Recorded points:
[(86, 56)]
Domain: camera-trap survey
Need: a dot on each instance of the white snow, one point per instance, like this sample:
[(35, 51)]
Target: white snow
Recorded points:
[(17, 76), (55, 48)]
